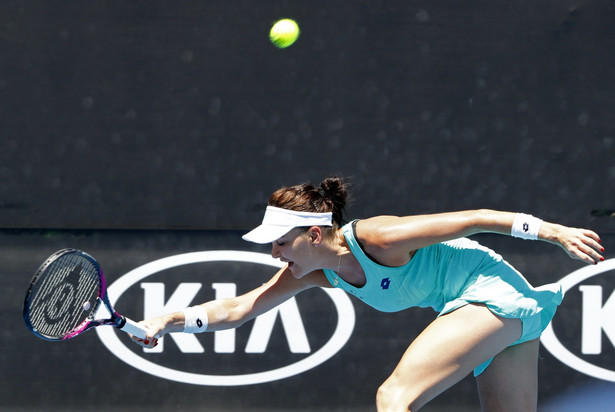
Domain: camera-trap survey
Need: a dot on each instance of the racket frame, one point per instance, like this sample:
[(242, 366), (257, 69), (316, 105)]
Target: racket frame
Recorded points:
[(116, 320)]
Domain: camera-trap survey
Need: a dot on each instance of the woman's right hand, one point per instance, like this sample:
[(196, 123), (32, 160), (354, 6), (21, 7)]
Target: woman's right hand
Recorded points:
[(155, 330)]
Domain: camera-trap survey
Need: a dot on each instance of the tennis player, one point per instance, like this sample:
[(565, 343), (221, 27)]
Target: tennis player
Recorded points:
[(490, 318)]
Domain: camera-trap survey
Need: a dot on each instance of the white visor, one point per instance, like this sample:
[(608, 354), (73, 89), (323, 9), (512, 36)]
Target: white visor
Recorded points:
[(278, 222)]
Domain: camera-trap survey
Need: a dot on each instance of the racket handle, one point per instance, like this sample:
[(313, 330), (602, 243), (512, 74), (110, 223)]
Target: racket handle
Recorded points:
[(132, 327)]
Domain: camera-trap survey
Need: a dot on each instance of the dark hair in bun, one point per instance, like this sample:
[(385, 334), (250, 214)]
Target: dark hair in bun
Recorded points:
[(330, 196)]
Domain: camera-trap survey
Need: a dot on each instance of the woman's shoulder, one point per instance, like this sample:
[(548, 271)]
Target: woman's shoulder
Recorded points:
[(379, 238), (376, 231)]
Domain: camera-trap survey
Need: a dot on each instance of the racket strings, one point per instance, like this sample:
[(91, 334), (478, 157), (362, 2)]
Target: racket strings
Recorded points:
[(66, 296)]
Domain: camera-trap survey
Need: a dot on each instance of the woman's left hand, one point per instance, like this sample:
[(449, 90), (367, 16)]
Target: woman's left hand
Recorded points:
[(582, 244)]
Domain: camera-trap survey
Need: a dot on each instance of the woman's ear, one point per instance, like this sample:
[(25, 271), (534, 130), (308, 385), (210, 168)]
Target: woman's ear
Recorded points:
[(315, 235)]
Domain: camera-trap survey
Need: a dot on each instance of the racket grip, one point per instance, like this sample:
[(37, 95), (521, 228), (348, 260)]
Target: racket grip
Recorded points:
[(132, 327)]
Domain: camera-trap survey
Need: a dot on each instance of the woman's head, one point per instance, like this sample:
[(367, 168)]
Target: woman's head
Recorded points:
[(330, 196), (302, 206)]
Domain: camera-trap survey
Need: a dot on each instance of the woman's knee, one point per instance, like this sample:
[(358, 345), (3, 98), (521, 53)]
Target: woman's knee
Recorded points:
[(392, 397)]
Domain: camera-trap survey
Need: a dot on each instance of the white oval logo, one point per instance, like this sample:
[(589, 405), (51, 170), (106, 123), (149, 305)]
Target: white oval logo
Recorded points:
[(552, 343), (341, 335)]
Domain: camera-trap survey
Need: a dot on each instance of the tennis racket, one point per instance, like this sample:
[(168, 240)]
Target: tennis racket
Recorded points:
[(66, 294)]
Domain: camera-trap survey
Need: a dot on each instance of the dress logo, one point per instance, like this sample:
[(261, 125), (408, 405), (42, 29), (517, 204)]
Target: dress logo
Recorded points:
[(386, 282)]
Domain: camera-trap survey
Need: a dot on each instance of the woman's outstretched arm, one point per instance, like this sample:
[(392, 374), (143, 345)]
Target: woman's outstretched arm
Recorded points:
[(391, 239)]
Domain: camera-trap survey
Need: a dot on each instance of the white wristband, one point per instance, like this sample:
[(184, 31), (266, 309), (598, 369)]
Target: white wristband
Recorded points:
[(525, 227), (195, 319)]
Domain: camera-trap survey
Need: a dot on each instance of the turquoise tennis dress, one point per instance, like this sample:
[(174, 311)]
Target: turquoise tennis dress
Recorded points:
[(448, 275)]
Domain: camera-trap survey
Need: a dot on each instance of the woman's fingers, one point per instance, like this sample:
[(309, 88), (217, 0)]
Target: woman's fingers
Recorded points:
[(146, 343), (151, 339), (585, 245)]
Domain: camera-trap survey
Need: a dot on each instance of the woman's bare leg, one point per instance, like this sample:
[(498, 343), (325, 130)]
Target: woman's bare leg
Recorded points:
[(443, 354), (510, 383)]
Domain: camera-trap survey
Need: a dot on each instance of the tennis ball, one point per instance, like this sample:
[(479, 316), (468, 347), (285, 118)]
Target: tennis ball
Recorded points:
[(284, 33)]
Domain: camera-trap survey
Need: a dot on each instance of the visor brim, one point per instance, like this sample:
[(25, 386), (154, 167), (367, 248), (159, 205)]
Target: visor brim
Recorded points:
[(266, 233)]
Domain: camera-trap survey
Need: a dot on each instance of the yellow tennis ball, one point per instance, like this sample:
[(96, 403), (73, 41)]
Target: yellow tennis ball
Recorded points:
[(284, 33)]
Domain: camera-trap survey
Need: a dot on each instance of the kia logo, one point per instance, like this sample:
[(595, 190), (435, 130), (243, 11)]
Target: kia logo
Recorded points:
[(156, 304), (596, 317)]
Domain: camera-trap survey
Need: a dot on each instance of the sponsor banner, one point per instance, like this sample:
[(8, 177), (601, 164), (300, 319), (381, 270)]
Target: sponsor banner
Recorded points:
[(582, 333), (322, 350), (260, 334)]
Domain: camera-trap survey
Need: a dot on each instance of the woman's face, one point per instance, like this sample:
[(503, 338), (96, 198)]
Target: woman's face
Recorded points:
[(296, 249)]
